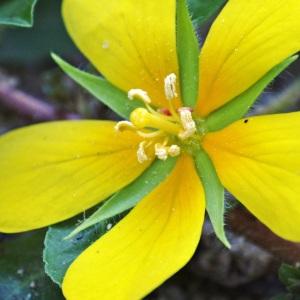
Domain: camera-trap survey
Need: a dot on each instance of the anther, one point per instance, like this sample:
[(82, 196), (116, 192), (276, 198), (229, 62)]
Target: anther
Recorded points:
[(161, 151), (170, 86), (141, 153), (139, 94), (174, 150), (188, 123), (124, 125)]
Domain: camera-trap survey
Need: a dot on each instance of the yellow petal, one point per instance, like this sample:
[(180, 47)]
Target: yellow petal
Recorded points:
[(153, 242), (247, 40), (53, 171), (132, 43), (258, 161)]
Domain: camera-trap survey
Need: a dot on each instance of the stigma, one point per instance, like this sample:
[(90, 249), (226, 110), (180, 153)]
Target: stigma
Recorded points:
[(163, 130)]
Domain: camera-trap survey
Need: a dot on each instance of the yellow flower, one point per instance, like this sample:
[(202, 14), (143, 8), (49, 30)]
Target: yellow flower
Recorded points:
[(53, 171)]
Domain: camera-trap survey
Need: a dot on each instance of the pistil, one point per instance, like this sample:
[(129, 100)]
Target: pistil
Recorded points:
[(141, 118)]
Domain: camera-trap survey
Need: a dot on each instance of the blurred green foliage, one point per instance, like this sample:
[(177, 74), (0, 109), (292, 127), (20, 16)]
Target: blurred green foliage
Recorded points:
[(290, 277), (20, 46), (17, 12)]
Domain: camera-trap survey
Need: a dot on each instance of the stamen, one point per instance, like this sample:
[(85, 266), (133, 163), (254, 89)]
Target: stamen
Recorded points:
[(141, 153), (170, 86), (186, 119), (161, 151), (150, 135), (165, 141), (188, 123), (139, 94), (159, 125), (124, 125), (174, 150)]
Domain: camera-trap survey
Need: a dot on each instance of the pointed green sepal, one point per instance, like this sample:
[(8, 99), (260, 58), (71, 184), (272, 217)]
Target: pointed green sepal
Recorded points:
[(238, 107), (188, 55), (214, 193), (130, 195), (100, 88)]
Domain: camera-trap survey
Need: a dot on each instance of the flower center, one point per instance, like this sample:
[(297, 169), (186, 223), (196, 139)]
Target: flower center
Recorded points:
[(166, 132)]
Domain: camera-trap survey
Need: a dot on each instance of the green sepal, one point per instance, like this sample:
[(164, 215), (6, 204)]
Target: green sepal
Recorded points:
[(100, 88), (130, 195), (188, 55), (239, 106), (214, 193), (17, 13)]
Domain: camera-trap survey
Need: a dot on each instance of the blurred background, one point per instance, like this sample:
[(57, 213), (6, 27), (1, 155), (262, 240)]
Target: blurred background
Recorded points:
[(33, 90)]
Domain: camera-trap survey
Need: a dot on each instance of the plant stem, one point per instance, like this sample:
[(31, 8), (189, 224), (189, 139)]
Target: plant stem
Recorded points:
[(29, 106)]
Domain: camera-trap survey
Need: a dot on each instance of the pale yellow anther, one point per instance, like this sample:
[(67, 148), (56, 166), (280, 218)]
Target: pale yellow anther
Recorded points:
[(187, 119), (139, 94), (187, 122), (141, 153), (170, 86), (161, 151), (174, 150), (124, 125)]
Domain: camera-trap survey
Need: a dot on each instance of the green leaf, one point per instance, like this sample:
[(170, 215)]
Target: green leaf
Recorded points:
[(60, 253), (100, 88), (20, 46), (203, 10), (17, 12), (285, 297), (130, 195), (286, 272), (239, 106), (188, 55), (214, 193), (290, 277), (22, 274)]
